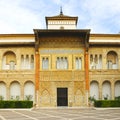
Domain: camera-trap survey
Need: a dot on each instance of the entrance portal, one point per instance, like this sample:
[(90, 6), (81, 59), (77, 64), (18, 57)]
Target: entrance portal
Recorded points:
[(62, 96)]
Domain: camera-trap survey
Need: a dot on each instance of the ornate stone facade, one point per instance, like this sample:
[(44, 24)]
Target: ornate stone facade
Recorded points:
[(62, 67)]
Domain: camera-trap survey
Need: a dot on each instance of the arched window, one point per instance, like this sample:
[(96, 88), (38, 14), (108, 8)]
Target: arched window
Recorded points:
[(78, 63), (94, 90), (9, 61), (62, 63), (2, 91), (32, 62), (22, 61), (112, 60), (45, 63), (29, 91), (117, 89), (106, 90), (96, 61), (15, 90), (27, 61)]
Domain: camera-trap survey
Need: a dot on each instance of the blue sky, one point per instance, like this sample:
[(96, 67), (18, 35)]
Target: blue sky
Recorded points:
[(22, 16)]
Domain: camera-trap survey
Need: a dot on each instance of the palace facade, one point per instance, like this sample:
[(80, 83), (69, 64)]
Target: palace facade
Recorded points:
[(60, 65)]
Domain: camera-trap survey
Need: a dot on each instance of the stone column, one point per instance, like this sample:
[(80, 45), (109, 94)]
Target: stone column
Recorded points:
[(22, 92), (100, 90), (7, 92), (112, 91), (104, 61), (18, 61)]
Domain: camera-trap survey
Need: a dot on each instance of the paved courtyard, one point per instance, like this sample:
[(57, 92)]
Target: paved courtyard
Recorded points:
[(61, 114)]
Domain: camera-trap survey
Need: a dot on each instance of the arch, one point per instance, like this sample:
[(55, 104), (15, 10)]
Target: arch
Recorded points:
[(106, 90), (29, 90), (94, 89), (112, 60), (9, 60), (15, 90), (45, 97), (117, 88), (3, 90)]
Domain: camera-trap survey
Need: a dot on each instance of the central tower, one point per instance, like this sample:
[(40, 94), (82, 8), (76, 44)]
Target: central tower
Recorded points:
[(61, 21)]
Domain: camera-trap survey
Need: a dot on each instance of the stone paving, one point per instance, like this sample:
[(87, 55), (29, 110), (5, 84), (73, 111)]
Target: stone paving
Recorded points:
[(61, 114)]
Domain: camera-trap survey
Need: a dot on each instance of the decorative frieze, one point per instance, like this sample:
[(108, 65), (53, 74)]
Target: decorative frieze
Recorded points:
[(62, 76), (61, 51)]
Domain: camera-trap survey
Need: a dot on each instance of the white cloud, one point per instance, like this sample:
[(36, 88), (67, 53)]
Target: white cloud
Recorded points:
[(15, 18), (102, 13), (22, 16)]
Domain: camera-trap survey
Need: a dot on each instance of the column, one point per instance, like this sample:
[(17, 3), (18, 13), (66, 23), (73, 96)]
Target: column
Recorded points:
[(37, 64), (112, 91), (24, 61), (100, 90), (22, 91), (87, 75), (29, 56), (7, 91), (104, 61)]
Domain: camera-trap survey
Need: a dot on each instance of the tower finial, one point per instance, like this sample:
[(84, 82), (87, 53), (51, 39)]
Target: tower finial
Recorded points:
[(61, 12)]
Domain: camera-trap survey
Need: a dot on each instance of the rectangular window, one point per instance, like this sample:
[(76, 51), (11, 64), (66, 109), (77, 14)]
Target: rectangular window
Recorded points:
[(45, 63), (78, 63), (62, 63)]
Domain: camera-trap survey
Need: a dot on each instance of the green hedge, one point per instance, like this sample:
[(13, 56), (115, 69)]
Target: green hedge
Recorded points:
[(107, 103), (16, 104)]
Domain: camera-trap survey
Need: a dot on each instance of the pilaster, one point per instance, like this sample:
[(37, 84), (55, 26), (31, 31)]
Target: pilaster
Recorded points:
[(37, 76), (86, 70), (87, 76)]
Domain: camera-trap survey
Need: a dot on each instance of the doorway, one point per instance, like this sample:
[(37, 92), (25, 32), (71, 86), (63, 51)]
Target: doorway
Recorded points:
[(62, 96)]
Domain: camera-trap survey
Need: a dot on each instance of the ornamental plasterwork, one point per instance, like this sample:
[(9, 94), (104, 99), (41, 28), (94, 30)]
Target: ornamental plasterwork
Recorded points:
[(61, 51)]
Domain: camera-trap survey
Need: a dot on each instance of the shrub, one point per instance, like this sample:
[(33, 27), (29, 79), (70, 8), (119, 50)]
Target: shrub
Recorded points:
[(117, 98), (107, 103), (28, 97), (16, 104), (1, 97)]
